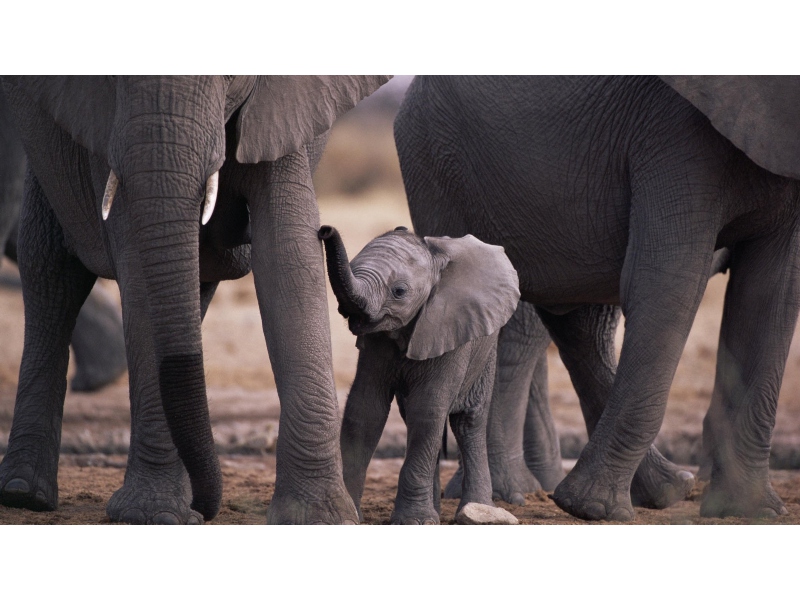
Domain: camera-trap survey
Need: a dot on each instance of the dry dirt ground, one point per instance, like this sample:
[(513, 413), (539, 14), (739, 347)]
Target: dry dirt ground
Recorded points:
[(244, 405)]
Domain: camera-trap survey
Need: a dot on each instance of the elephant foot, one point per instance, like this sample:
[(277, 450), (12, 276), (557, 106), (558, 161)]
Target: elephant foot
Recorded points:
[(89, 378), (547, 476), (157, 497), (25, 484), (658, 483), (741, 499), (511, 480), (474, 513), (411, 516), (333, 506), (593, 498)]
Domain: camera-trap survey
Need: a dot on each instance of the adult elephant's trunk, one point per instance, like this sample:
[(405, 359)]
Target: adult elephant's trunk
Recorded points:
[(345, 286), (163, 164)]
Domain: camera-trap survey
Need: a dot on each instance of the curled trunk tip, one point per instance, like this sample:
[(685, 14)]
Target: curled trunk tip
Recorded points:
[(344, 284)]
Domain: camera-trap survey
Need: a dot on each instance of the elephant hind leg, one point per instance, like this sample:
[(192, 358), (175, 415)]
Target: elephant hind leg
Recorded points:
[(520, 424), (585, 338), (98, 342), (55, 285), (759, 317)]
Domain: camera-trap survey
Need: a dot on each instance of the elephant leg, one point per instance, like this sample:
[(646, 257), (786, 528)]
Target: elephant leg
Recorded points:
[(365, 416), (541, 447), (98, 342), (291, 289), (759, 317), (414, 504), (55, 285), (585, 338), (469, 429), (521, 348), (156, 488), (664, 274)]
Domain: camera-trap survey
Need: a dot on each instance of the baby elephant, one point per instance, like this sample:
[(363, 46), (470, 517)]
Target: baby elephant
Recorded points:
[(427, 313)]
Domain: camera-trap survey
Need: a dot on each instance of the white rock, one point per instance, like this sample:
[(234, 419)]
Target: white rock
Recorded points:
[(481, 514)]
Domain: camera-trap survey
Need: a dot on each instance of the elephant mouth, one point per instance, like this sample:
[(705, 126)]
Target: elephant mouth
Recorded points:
[(363, 325)]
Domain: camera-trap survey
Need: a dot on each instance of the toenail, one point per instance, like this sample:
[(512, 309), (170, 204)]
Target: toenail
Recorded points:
[(595, 511), (17, 485), (165, 518), (134, 516)]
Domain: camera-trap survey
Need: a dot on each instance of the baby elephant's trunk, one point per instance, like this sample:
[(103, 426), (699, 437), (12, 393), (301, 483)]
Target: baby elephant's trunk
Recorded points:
[(345, 285)]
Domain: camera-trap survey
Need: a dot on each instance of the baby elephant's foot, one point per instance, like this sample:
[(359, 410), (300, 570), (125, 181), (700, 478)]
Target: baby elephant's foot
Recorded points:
[(154, 498), (658, 483), (593, 499), (331, 505), (474, 513), (511, 480), (22, 485), (411, 515), (755, 500)]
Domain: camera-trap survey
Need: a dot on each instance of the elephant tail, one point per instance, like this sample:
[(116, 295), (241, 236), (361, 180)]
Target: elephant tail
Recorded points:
[(444, 442)]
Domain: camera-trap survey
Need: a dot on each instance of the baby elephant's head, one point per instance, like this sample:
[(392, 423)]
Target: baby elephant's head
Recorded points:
[(458, 289)]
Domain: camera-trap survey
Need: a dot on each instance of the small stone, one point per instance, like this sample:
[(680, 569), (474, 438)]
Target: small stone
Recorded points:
[(481, 514)]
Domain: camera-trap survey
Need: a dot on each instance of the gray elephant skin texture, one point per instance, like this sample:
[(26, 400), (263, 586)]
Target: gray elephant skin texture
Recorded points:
[(97, 340), (170, 185), (618, 191), (427, 313)]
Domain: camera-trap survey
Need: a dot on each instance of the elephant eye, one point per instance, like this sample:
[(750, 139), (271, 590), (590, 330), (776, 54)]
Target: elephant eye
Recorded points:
[(399, 291)]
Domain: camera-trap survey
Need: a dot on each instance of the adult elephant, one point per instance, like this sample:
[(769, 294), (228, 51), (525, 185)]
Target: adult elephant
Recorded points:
[(97, 341), (169, 185), (618, 190)]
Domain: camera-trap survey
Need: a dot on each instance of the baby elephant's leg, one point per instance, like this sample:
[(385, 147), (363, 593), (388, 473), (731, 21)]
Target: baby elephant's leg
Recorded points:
[(469, 427)]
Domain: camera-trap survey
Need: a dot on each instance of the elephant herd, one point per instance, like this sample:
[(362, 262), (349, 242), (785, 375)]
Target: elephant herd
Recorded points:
[(543, 208)]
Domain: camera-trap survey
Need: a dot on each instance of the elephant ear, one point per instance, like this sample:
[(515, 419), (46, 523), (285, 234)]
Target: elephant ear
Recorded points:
[(760, 115), (284, 113), (476, 295), (83, 106)]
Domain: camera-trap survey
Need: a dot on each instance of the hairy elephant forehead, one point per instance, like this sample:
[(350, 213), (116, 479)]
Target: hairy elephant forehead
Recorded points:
[(394, 248), (393, 257)]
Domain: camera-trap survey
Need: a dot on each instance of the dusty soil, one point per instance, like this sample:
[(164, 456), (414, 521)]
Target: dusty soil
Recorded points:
[(245, 409), (86, 483)]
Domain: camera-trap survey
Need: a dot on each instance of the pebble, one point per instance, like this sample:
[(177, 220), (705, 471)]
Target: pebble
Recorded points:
[(481, 514)]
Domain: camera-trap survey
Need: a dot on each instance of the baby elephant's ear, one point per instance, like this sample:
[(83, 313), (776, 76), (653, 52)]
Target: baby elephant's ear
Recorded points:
[(476, 295)]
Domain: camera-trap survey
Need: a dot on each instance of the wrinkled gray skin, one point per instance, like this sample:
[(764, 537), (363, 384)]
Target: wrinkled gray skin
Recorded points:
[(427, 315), (97, 340), (524, 452), (164, 137), (618, 190)]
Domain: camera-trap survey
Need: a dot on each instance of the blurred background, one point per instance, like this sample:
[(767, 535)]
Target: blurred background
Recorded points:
[(360, 192)]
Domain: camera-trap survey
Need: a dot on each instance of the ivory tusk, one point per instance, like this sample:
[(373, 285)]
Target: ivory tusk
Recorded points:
[(108, 196), (212, 185)]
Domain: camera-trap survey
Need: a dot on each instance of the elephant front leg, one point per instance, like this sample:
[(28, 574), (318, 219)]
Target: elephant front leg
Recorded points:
[(758, 320), (54, 286), (414, 504), (290, 284)]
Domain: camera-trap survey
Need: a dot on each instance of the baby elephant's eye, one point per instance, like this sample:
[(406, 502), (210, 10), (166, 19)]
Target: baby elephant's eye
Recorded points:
[(399, 291)]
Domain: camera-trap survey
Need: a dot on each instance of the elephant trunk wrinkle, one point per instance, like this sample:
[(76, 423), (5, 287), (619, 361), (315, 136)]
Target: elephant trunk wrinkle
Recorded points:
[(346, 287)]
